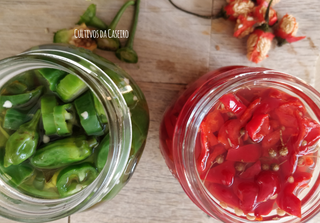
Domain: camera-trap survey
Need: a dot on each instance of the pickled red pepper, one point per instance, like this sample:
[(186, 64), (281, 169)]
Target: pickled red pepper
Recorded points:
[(256, 151)]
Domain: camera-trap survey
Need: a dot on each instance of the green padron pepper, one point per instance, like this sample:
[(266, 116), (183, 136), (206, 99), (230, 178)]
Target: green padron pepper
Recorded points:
[(103, 150), (20, 100), (16, 174), (63, 152), (64, 119), (70, 88), (23, 143), (75, 178), (53, 76), (14, 118)]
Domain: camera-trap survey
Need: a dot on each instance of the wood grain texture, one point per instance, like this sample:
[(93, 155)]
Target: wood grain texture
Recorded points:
[(174, 49)]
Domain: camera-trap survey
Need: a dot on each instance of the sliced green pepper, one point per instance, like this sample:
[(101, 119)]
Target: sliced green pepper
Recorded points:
[(53, 76), (14, 118), (64, 119), (15, 87), (103, 150), (63, 152), (70, 88), (48, 102), (88, 116), (23, 143), (75, 178), (21, 100), (100, 110), (90, 19)]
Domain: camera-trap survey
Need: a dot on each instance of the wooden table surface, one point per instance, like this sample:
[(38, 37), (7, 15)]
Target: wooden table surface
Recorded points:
[(174, 49)]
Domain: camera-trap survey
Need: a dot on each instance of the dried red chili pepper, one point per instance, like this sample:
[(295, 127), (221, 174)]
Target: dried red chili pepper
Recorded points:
[(259, 42), (244, 26), (236, 8), (287, 30), (259, 13)]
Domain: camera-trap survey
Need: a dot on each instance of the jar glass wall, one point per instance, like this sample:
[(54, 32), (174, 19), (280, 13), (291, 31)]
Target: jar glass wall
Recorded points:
[(128, 121), (180, 129)]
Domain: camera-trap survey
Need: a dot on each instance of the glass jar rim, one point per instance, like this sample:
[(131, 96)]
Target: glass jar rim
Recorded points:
[(196, 108), (119, 121)]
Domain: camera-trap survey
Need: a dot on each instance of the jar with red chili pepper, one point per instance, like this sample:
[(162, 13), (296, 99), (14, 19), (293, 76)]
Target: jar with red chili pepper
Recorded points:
[(243, 144)]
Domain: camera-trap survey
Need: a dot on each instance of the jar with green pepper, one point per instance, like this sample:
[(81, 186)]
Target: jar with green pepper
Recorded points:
[(73, 127)]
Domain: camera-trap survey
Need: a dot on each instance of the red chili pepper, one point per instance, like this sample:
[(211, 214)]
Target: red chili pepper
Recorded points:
[(213, 121), (290, 204), (249, 111), (259, 13), (309, 134), (264, 208), (259, 44), (249, 153), (290, 165), (236, 8), (269, 185), (252, 171), (229, 134), (301, 180), (214, 153), (247, 191), (224, 194), (287, 30), (289, 133), (271, 140), (222, 174), (244, 26), (258, 127), (309, 161), (232, 104), (206, 143)]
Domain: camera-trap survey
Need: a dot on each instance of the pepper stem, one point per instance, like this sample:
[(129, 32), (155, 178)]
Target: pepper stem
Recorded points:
[(267, 13), (116, 19), (127, 54), (191, 13), (134, 26)]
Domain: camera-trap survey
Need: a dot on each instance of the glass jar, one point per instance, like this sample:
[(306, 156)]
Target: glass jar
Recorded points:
[(128, 121), (181, 122)]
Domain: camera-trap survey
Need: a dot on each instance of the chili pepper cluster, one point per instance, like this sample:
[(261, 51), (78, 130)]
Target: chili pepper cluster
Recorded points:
[(90, 22), (256, 152), (255, 19), (57, 134)]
